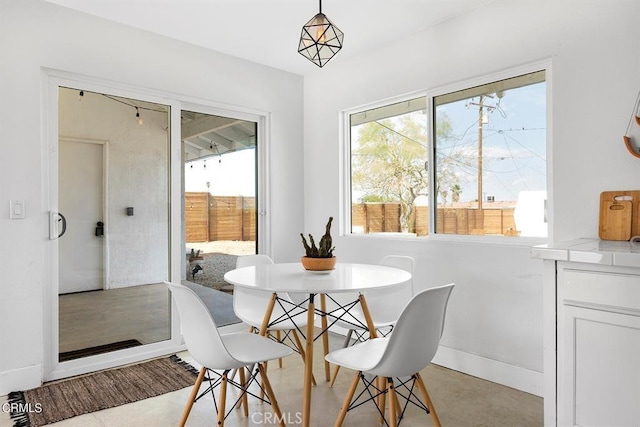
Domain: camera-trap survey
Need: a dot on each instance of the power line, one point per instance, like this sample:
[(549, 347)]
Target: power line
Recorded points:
[(401, 135)]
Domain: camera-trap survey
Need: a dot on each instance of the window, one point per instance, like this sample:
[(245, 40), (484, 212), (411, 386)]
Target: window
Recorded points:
[(489, 162), (490, 158), (389, 177)]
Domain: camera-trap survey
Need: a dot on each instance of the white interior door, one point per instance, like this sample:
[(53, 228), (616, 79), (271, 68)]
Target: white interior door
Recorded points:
[(81, 202)]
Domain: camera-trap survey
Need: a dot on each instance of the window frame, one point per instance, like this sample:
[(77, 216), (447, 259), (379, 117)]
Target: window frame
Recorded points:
[(430, 94), (345, 161)]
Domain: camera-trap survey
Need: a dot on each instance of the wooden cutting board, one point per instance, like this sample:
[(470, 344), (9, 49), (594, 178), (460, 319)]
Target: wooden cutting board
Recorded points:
[(619, 215)]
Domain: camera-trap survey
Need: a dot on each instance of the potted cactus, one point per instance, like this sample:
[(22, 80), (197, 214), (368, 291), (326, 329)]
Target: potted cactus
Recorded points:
[(319, 258)]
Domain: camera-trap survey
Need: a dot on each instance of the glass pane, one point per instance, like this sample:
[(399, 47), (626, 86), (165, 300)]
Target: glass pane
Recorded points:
[(389, 179), (113, 203), (490, 155), (220, 157)]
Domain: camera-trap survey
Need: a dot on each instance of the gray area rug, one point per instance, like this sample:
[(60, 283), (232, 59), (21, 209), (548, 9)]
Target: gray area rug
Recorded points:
[(60, 400), (220, 304)]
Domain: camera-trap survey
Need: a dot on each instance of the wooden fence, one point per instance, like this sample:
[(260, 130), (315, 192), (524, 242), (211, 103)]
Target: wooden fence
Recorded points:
[(210, 218), (385, 217)]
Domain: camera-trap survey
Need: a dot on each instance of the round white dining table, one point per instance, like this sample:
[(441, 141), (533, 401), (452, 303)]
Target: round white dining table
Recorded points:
[(293, 278)]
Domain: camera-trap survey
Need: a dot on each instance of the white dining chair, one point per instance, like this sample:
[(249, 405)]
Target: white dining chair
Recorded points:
[(385, 306), (396, 360), (225, 353), (250, 305)]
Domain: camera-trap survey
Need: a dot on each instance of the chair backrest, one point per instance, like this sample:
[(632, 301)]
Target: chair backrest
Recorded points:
[(250, 304), (402, 262), (417, 333), (386, 305), (253, 259), (199, 329)]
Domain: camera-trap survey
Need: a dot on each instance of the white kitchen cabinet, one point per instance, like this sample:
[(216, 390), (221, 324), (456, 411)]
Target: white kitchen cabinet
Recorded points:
[(598, 348), (592, 333)]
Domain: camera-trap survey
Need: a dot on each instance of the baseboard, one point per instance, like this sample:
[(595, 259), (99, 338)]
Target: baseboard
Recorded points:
[(502, 373), (20, 379), (512, 376)]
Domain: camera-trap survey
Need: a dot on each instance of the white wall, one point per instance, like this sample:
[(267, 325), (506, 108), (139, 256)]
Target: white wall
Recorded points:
[(137, 176), (494, 323), (494, 326), (33, 35)]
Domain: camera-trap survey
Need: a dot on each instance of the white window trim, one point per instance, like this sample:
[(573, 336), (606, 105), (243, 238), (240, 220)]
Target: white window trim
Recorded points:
[(345, 159)]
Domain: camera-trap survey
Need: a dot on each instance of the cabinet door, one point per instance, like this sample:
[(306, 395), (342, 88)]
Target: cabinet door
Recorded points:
[(599, 369)]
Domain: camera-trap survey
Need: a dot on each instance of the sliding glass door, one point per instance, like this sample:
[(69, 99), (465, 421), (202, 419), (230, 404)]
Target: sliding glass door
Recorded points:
[(220, 156), (112, 223)]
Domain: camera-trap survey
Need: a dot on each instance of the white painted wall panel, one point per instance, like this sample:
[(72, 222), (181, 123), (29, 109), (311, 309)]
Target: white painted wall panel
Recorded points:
[(36, 35), (496, 309)]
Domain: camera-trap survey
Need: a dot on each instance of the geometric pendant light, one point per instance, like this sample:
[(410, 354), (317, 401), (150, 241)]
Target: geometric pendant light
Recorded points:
[(320, 39)]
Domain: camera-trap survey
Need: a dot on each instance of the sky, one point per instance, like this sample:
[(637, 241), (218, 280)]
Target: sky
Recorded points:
[(232, 174), (514, 143)]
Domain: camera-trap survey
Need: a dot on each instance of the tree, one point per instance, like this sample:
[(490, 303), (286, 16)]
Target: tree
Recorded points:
[(389, 162), (456, 190)]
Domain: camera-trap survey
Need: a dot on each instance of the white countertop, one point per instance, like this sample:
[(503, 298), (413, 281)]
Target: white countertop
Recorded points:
[(592, 251)]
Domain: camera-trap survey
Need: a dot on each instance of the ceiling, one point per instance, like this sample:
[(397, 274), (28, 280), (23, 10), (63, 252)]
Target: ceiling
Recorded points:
[(207, 136), (267, 32), (203, 135)]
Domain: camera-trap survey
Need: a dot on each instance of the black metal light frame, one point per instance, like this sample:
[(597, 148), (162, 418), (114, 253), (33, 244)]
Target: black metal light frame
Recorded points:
[(320, 39)]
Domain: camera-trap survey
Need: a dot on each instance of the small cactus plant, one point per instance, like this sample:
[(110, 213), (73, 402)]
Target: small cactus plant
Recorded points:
[(325, 247)]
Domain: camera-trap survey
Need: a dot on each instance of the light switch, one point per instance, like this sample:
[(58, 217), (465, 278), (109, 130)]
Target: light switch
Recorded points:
[(16, 209)]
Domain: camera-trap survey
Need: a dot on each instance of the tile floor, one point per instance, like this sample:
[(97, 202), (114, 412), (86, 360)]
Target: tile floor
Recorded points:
[(460, 400)]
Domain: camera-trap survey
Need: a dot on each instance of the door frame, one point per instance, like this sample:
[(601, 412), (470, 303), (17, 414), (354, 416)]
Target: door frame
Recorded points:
[(52, 368), (263, 229), (51, 80), (105, 199)]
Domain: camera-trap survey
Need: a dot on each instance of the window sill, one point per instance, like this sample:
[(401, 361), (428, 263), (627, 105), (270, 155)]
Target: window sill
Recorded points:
[(455, 238)]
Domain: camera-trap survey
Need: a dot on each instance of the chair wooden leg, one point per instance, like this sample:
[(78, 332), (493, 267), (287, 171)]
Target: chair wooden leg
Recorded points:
[(265, 365), (427, 400), (267, 314), (192, 397), (393, 405), (382, 401), (347, 399), (264, 328), (272, 397), (336, 369), (223, 399), (367, 315), (244, 401), (301, 350), (398, 408), (279, 338)]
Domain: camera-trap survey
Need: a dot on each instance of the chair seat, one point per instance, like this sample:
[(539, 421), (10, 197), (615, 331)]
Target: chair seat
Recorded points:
[(251, 348), (404, 354), (360, 357)]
